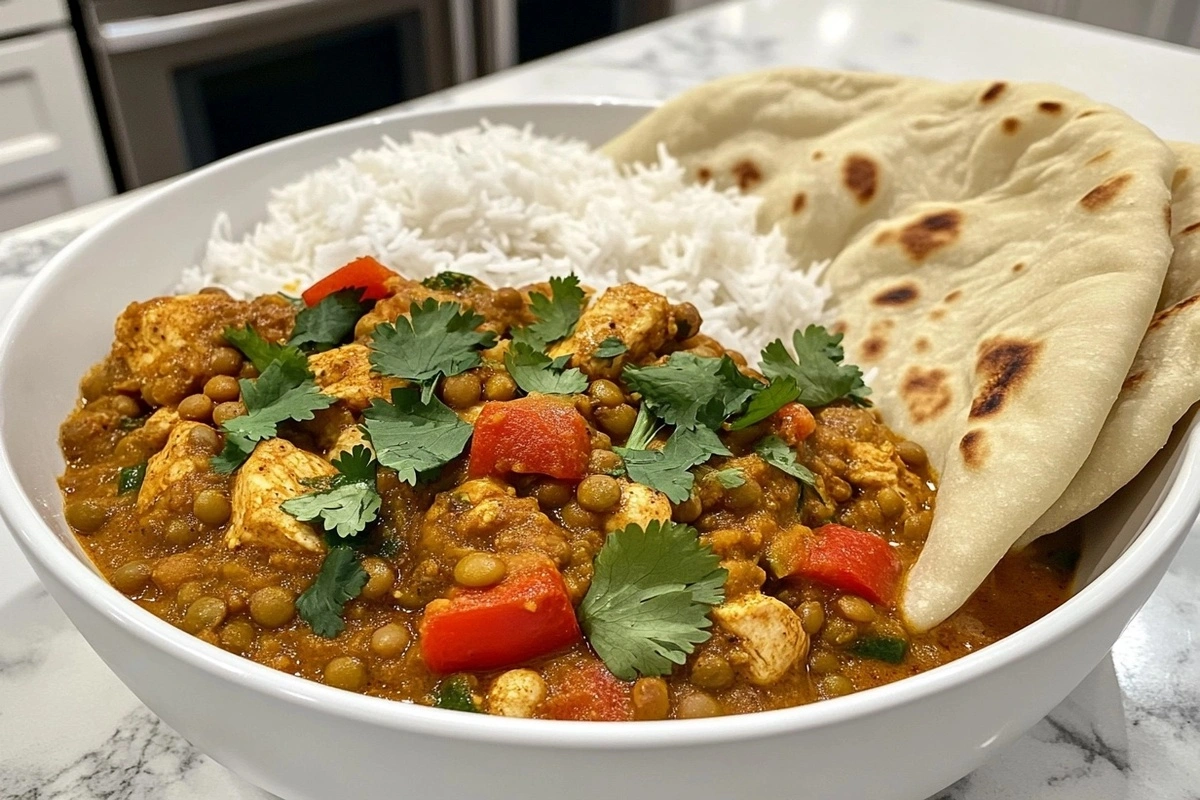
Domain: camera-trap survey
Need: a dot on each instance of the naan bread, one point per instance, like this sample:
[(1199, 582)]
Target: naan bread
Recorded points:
[(1164, 381), (997, 252)]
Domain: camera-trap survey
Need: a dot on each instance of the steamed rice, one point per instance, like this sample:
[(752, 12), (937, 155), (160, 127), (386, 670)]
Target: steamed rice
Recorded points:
[(513, 208)]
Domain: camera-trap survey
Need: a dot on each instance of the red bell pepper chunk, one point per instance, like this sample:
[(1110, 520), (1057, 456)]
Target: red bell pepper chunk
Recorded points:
[(794, 423), (851, 561), (362, 273), (538, 435), (590, 693), (526, 615)]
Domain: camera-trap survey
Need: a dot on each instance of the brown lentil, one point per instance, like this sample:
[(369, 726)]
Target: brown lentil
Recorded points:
[(223, 389)]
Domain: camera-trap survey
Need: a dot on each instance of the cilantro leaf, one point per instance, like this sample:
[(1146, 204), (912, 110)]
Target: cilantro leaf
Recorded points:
[(129, 479), (690, 390), (610, 348), (349, 504), (818, 371), (775, 451), (534, 371), (730, 478), (330, 322), (455, 694), (413, 436), (647, 607), (340, 580), (556, 315), (448, 281), (435, 340), (237, 449), (263, 353), (274, 398), (777, 394), (667, 470)]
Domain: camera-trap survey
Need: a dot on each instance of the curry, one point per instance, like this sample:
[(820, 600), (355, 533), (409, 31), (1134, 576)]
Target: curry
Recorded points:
[(542, 502)]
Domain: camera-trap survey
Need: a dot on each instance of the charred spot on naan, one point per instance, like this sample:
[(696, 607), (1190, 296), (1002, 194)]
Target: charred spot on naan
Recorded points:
[(1132, 380), (818, 155), (1020, 265), (704, 175), (1181, 175), (1106, 192), (973, 448), (861, 177), (1167, 216), (1195, 226), (1162, 316), (1004, 364), (929, 233), (1010, 125), (926, 393), (1103, 155), (899, 295), (921, 345), (799, 201), (1050, 107), (1091, 112), (993, 92), (747, 174), (952, 296)]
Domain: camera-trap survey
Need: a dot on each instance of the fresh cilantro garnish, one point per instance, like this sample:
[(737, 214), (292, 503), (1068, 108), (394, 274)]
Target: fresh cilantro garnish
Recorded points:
[(297, 302), (556, 315), (690, 390), (340, 580), (274, 398), (647, 607), (412, 435), (284, 391), (534, 371), (349, 504), (610, 348), (818, 371), (330, 322), (667, 470), (129, 479), (766, 402), (455, 695), (435, 340), (775, 451), (263, 353), (730, 478), (643, 431), (448, 281)]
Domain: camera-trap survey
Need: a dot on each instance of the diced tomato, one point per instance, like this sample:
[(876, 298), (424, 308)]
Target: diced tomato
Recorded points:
[(362, 273), (590, 693), (849, 560), (526, 615), (540, 435), (794, 423)]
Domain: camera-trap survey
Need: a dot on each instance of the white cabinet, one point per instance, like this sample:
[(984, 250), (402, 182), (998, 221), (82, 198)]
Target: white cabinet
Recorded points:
[(18, 16), (51, 159)]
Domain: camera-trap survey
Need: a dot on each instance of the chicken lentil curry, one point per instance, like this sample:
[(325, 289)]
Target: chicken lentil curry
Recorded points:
[(534, 503)]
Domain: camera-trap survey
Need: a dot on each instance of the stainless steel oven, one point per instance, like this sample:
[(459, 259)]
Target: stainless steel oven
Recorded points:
[(186, 82)]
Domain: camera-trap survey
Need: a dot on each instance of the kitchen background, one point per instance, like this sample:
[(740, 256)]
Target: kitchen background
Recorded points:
[(102, 96)]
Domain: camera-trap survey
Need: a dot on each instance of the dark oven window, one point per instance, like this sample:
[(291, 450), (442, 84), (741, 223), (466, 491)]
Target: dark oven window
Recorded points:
[(234, 103)]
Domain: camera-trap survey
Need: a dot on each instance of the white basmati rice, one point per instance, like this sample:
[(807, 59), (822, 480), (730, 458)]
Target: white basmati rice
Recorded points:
[(513, 208)]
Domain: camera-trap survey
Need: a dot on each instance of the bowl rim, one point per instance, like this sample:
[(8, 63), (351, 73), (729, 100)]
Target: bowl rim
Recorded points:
[(1166, 527)]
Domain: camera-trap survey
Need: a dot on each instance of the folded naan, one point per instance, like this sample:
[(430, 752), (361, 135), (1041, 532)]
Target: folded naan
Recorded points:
[(1164, 380), (997, 253)]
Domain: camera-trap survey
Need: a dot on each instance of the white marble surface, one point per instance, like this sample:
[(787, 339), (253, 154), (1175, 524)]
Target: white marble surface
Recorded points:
[(69, 729)]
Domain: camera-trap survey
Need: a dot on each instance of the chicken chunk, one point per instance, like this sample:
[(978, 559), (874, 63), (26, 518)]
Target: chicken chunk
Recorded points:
[(173, 465), (273, 474), (167, 344), (640, 318), (639, 505), (872, 466), (350, 438), (345, 373), (768, 631), (516, 693)]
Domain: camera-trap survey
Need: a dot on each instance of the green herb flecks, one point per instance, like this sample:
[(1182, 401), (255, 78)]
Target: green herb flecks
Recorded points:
[(129, 479)]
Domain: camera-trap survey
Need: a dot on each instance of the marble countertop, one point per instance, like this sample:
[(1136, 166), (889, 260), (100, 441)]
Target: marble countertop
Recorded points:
[(69, 729)]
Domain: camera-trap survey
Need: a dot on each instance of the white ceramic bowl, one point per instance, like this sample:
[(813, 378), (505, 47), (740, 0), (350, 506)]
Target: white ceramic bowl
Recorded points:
[(300, 739)]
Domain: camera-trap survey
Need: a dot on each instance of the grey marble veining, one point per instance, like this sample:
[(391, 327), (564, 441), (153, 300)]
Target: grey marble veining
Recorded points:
[(69, 729)]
